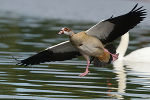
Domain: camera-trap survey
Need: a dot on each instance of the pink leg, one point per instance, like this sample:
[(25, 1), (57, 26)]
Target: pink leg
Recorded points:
[(86, 71), (114, 56)]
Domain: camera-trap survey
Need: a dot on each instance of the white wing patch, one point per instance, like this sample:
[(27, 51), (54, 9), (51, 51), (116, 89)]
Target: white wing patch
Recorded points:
[(62, 47)]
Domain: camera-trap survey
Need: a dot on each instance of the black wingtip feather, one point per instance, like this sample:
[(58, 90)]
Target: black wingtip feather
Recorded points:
[(111, 17), (18, 61), (138, 13), (48, 56), (134, 7), (125, 22)]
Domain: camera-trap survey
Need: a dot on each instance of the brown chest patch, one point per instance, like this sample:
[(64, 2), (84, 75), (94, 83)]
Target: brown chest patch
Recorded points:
[(104, 57)]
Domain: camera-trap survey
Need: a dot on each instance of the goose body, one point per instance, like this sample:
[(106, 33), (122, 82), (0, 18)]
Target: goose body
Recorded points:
[(91, 42), (89, 45)]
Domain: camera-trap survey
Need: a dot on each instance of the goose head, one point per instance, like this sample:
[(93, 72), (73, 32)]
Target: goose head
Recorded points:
[(66, 31)]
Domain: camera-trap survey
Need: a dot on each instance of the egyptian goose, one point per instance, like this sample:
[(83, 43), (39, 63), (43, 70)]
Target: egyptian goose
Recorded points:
[(90, 42)]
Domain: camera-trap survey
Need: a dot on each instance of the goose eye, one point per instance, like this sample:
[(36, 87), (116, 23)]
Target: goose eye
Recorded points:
[(65, 29)]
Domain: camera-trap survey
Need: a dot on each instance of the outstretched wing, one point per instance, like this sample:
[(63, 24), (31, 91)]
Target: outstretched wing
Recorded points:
[(112, 28), (59, 52)]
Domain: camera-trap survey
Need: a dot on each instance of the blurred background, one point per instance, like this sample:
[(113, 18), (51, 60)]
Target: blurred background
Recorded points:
[(29, 26)]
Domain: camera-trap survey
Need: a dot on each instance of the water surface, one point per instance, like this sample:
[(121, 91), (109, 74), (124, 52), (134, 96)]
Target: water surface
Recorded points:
[(23, 36)]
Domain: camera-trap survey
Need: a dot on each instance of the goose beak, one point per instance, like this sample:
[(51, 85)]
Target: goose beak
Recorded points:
[(61, 32)]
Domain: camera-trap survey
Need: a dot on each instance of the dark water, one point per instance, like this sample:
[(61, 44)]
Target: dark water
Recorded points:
[(23, 36)]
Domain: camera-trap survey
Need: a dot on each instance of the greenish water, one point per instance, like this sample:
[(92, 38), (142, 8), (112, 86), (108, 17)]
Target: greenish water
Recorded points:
[(24, 36)]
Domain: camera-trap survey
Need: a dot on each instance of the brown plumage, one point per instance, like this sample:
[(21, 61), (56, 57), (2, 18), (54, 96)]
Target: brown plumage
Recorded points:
[(105, 56), (89, 45)]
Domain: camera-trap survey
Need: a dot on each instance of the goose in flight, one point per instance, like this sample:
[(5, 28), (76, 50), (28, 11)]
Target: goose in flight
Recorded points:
[(90, 43)]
